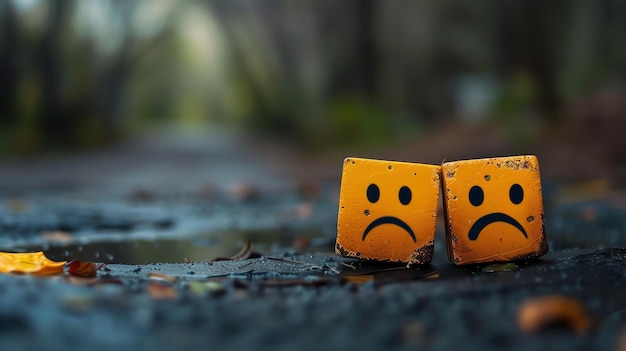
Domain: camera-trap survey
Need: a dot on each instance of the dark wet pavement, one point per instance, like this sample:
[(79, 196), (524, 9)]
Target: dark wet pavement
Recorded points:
[(182, 205)]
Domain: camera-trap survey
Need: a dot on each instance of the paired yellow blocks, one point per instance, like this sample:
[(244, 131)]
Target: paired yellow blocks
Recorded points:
[(493, 210), (387, 210)]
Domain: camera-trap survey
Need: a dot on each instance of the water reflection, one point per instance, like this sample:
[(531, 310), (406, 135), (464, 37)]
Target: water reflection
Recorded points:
[(202, 247)]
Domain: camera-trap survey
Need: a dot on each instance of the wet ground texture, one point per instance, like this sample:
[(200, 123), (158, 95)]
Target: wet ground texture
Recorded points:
[(198, 264)]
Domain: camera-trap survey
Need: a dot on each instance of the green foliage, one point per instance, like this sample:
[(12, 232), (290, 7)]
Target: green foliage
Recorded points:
[(519, 94), (322, 74), (515, 109), (354, 121)]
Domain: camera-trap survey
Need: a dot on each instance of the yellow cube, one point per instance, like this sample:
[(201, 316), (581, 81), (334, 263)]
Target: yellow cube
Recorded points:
[(387, 210), (493, 209)]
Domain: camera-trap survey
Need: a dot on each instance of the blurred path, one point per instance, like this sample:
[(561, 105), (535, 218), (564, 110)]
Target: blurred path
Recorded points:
[(186, 160), (561, 159), (180, 160)]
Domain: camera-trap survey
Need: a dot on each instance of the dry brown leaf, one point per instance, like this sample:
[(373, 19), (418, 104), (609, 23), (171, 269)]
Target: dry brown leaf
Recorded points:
[(83, 269), (35, 263), (541, 313), (359, 279), (161, 277), (160, 291)]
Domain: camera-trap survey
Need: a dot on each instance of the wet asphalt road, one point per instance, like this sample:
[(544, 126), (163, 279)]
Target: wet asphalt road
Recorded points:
[(295, 294)]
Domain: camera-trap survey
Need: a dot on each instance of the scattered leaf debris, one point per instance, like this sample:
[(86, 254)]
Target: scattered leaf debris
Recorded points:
[(204, 288), (553, 312), (154, 276), (501, 267), (161, 291)]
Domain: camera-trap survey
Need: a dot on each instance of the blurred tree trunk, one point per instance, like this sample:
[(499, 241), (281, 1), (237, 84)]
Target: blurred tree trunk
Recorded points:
[(528, 41), (544, 54), (54, 121), (9, 41), (367, 50), (111, 84), (109, 91), (350, 42)]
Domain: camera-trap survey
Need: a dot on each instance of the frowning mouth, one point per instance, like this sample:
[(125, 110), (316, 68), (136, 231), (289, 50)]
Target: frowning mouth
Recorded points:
[(484, 221), (389, 220)]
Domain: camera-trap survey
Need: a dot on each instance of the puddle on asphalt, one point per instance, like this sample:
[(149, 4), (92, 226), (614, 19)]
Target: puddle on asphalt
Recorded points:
[(203, 247)]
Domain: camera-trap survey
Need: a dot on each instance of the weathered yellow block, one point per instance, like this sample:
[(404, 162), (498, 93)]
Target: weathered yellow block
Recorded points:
[(387, 210), (493, 209)]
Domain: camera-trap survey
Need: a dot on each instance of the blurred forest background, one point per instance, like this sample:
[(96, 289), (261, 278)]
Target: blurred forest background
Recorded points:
[(318, 74)]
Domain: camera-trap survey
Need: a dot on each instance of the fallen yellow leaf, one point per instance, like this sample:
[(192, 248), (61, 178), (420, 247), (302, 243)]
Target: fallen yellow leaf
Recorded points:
[(29, 263)]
